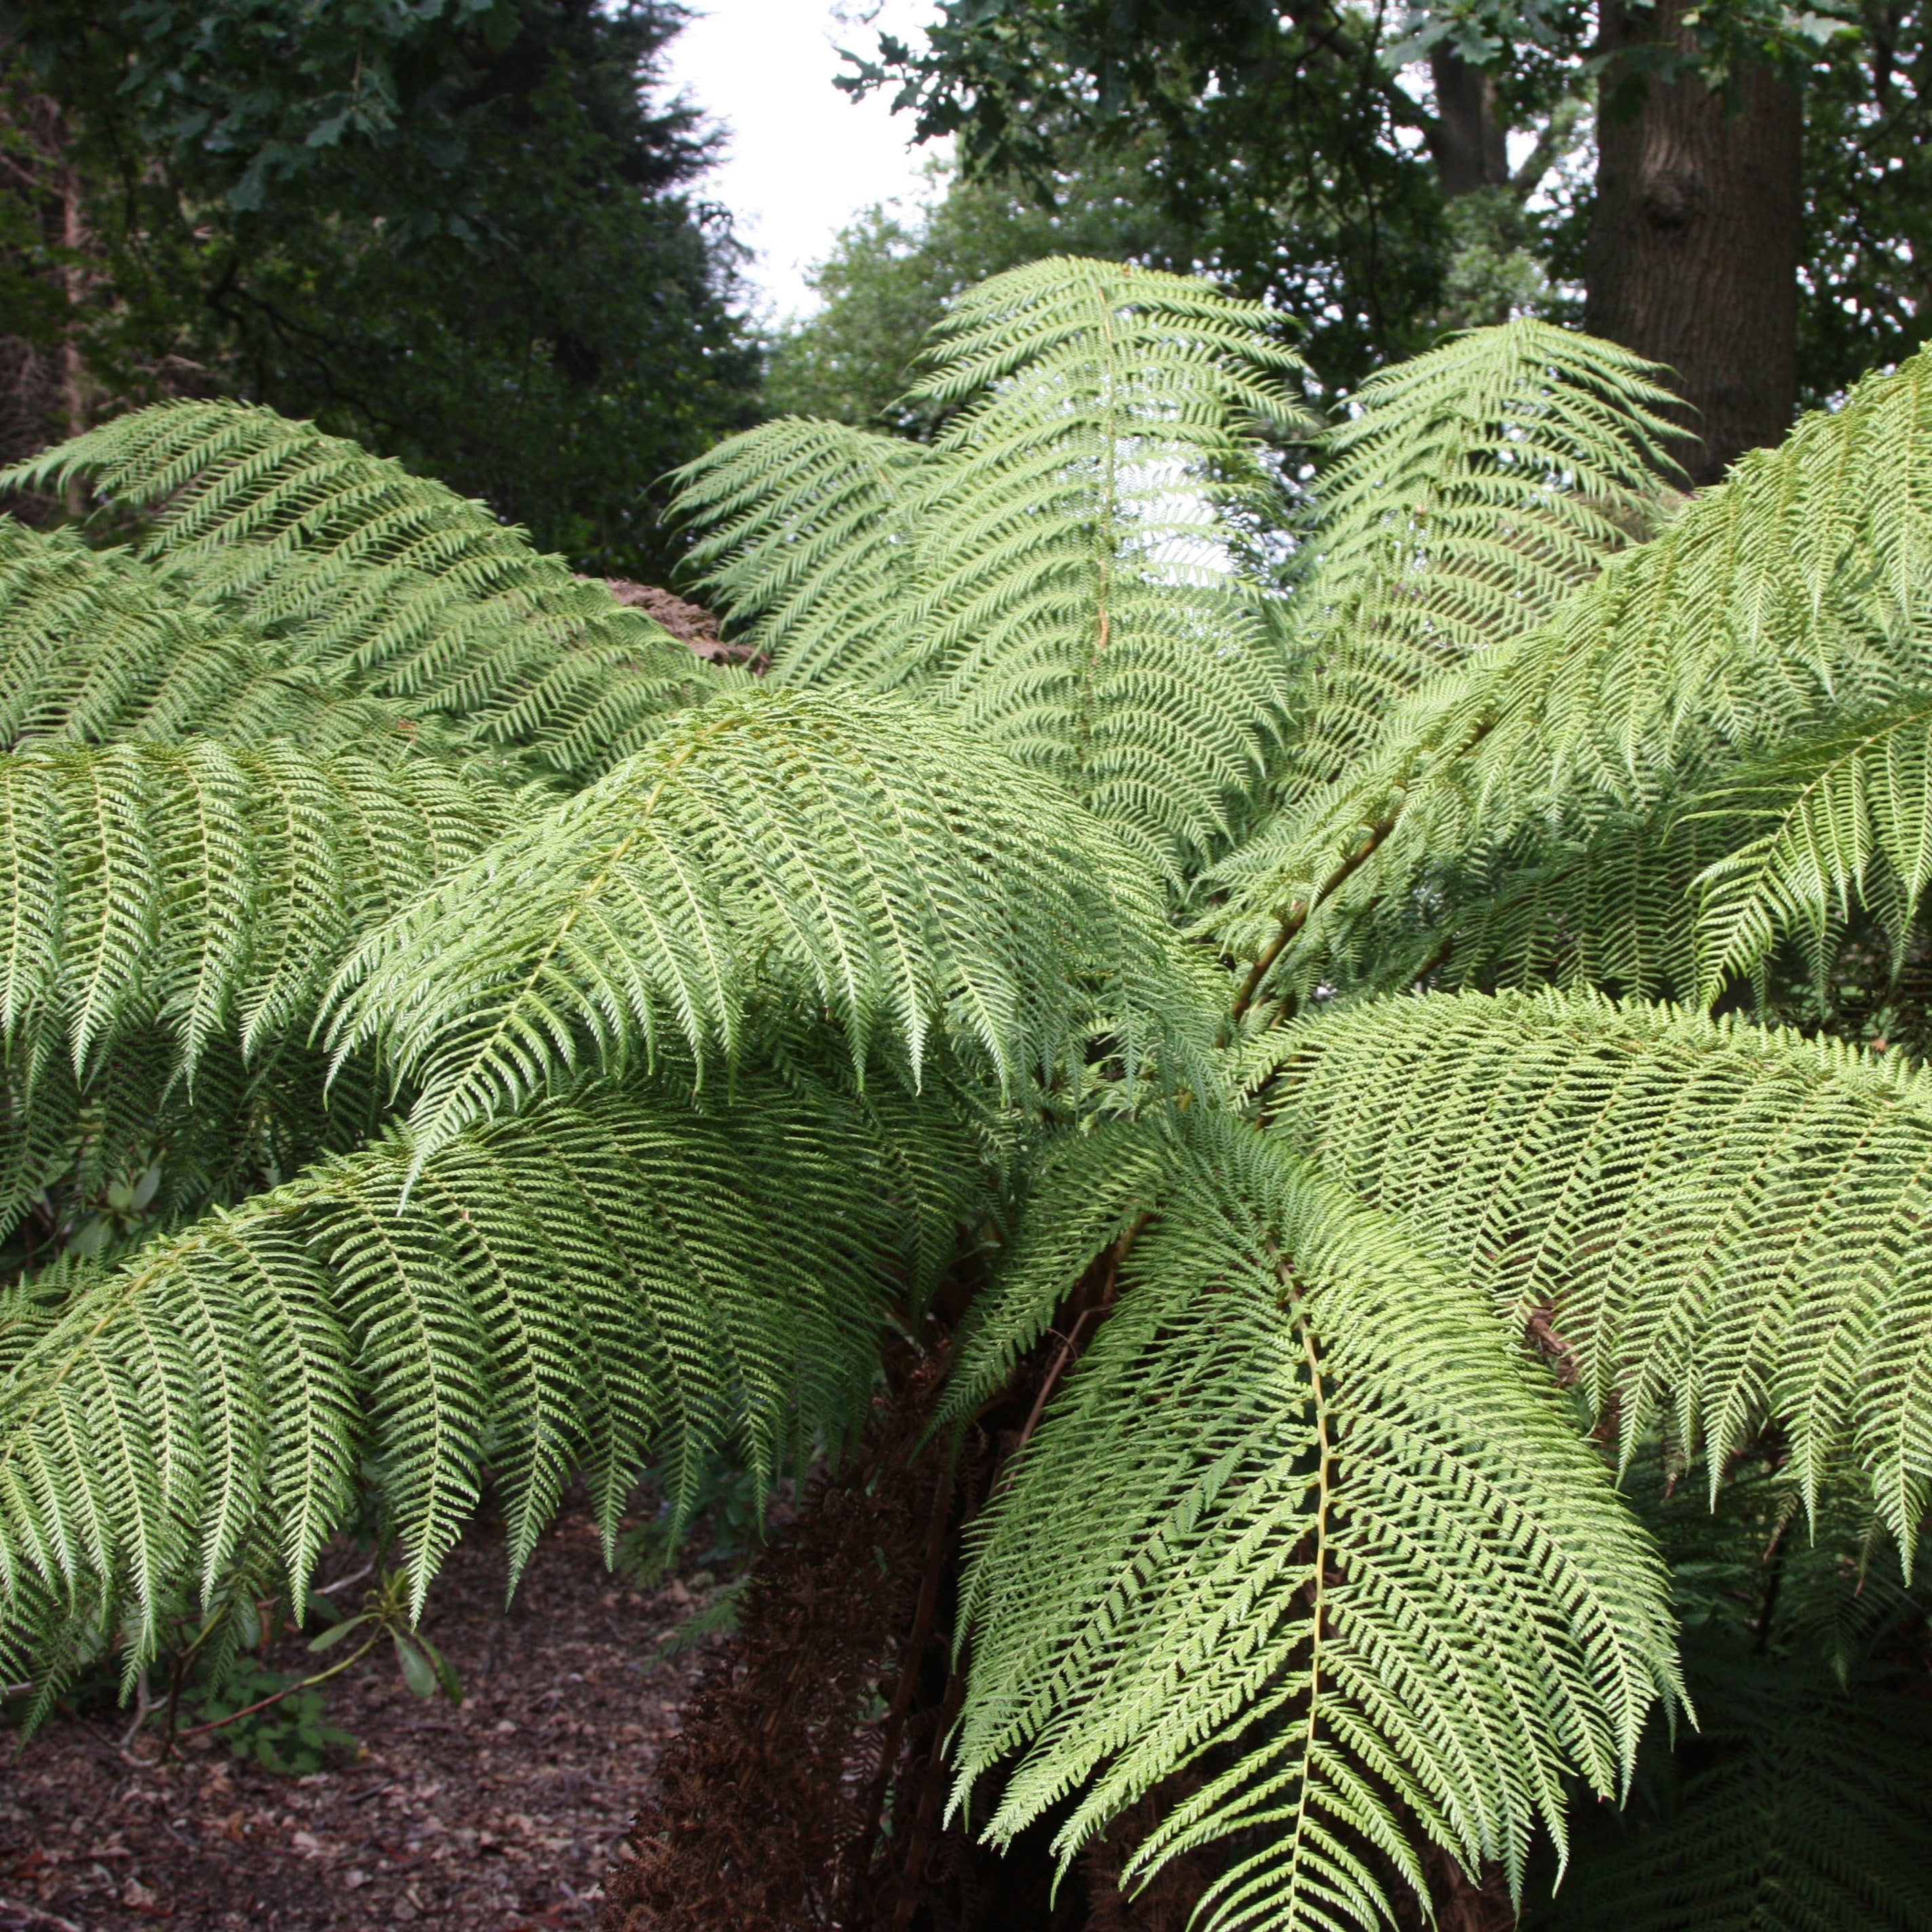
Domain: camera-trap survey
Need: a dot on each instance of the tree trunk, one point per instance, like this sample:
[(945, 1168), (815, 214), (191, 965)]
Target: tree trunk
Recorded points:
[(1468, 143), (1694, 244)]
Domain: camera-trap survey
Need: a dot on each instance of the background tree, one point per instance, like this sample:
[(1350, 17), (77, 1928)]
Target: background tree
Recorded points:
[(460, 231), (1691, 242), (892, 274)]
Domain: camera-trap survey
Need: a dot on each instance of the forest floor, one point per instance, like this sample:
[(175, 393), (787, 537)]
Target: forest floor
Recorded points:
[(502, 1814)]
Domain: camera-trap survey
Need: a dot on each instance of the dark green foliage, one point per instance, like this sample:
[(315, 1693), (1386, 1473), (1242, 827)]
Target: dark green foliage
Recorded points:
[(291, 1737), (459, 231), (1300, 150), (1803, 1796), (1802, 1803), (1866, 121), (1271, 144)]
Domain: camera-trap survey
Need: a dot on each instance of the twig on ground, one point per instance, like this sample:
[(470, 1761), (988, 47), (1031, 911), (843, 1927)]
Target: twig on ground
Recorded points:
[(343, 1582), (34, 1915)]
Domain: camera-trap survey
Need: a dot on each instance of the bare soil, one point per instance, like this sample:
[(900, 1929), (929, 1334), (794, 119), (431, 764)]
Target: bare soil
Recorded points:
[(502, 1815)]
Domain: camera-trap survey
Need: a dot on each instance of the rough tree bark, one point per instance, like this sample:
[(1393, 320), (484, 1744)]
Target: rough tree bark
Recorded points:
[(1468, 143), (1694, 247)]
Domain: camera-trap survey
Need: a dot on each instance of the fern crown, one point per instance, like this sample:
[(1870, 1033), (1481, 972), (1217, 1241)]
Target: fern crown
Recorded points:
[(1327, 970)]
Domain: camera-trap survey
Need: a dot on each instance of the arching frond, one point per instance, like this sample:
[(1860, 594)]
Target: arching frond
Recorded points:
[(814, 543), (1333, 1546), (1057, 573), (1848, 812), (1688, 900), (1079, 604), (1790, 594), (1468, 493), (173, 891), (388, 580), (1617, 910), (849, 853), (605, 1279), (93, 647), (1714, 1227)]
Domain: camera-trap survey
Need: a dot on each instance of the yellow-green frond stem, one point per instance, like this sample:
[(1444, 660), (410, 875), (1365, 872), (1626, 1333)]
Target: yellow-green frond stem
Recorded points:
[(1303, 1519)]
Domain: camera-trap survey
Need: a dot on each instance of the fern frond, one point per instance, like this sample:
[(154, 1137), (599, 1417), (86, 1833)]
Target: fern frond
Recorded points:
[(1057, 574), (1334, 1544), (1617, 911), (1079, 605), (814, 543), (1470, 490), (1847, 812), (848, 852), (246, 1123), (389, 581), (179, 889), (1793, 592), (94, 647), (1719, 1225), (602, 1279)]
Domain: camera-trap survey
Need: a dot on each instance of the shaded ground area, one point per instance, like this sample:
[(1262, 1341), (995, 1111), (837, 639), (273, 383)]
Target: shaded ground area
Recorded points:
[(502, 1815)]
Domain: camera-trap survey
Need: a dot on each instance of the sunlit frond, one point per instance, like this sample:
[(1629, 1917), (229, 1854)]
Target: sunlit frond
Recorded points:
[(1333, 1547)]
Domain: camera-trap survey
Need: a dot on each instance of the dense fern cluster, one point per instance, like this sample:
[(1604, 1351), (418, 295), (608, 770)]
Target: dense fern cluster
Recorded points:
[(1171, 951), (1573, 766)]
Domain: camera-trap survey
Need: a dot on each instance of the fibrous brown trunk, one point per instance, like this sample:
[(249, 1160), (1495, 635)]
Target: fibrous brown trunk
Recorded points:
[(1694, 244)]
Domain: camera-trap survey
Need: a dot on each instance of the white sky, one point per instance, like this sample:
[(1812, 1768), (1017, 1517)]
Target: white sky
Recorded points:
[(802, 158)]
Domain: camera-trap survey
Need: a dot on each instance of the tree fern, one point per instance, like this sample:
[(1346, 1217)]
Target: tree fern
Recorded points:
[(1692, 898), (449, 1031), (1329, 1536), (1772, 605), (176, 890), (814, 542), (129, 1122), (1845, 813), (94, 647)]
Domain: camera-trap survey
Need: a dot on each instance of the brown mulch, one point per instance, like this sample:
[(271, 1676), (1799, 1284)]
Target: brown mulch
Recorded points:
[(690, 623), (502, 1815)]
